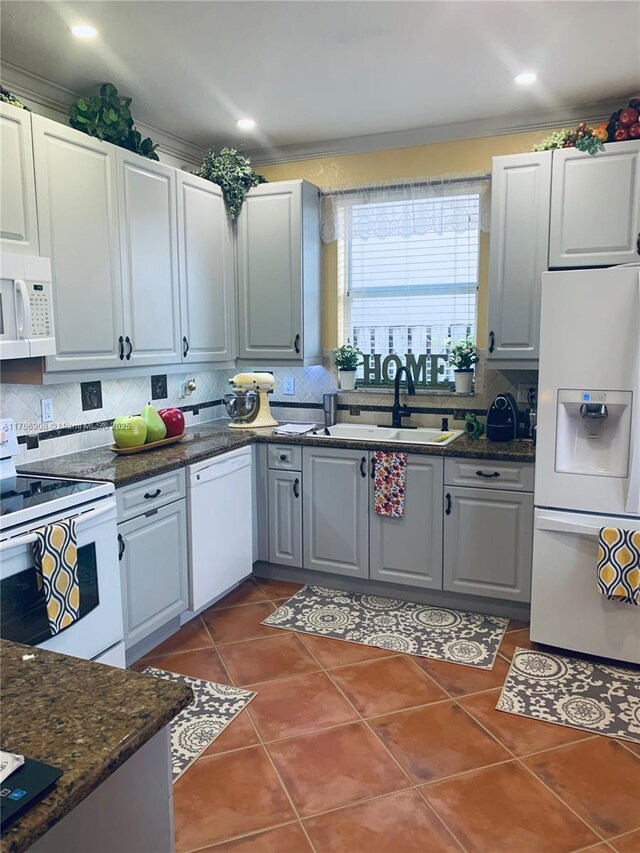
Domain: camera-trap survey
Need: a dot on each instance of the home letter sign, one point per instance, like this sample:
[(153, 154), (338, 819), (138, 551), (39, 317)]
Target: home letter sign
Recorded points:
[(428, 371)]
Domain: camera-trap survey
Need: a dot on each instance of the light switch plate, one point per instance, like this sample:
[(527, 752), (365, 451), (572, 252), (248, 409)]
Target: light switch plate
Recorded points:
[(288, 385), (46, 410)]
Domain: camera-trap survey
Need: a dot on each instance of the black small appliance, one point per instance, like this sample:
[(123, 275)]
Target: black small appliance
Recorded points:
[(502, 419)]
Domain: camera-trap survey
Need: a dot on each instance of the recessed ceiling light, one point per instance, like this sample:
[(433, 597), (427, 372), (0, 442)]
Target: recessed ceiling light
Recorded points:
[(246, 123), (526, 78), (84, 31)]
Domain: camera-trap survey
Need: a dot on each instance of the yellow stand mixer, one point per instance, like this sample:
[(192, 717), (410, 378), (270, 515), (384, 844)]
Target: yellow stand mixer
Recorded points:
[(247, 405)]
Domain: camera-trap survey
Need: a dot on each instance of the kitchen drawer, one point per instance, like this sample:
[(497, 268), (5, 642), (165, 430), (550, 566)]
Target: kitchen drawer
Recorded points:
[(285, 457), (485, 474), (150, 493)]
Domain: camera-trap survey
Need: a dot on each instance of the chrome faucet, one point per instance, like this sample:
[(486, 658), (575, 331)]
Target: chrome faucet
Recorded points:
[(398, 411)]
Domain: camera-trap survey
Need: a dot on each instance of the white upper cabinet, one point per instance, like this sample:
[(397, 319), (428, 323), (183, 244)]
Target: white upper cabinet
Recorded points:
[(18, 225), (205, 252), (278, 273), (520, 204), (595, 206), (78, 228), (148, 239)]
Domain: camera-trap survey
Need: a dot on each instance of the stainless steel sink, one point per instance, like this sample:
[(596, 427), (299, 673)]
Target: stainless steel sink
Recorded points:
[(370, 432)]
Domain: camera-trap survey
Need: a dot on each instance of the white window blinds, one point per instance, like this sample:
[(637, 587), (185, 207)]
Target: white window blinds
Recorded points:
[(408, 268)]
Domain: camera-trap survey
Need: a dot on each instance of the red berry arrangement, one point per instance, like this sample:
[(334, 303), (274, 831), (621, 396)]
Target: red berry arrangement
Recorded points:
[(624, 123)]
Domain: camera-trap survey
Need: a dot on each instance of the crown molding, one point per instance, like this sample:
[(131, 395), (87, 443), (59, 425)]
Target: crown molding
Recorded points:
[(542, 120), (53, 101)]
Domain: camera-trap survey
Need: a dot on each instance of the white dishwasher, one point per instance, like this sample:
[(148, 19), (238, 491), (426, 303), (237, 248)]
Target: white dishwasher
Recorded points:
[(219, 501)]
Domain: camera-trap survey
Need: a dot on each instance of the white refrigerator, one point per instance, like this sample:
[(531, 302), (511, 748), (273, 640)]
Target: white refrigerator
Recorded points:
[(587, 456)]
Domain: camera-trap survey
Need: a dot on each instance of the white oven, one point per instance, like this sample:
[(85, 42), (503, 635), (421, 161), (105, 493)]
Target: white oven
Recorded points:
[(98, 633), (26, 307)]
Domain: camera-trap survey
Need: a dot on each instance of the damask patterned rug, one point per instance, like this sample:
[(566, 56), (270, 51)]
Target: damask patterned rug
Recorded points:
[(451, 635), (581, 694), (214, 706)]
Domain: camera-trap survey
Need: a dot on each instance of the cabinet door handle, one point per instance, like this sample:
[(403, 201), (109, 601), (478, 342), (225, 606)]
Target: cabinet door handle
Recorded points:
[(638, 244), (121, 348), (296, 344), (448, 509), (121, 547), (185, 348), (283, 457), (155, 494), (296, 490), (488, 476), (492, 341), (373, 469), (127, 341), (363, 462)]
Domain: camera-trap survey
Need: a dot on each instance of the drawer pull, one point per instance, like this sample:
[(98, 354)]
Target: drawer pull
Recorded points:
[(155, 494), (488, 476), (283, 457), (296, 490), (448, 509), (121, 547)]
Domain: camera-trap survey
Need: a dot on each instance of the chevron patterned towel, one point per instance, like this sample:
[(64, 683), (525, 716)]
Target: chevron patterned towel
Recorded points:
[(619, 564), (56, 556)]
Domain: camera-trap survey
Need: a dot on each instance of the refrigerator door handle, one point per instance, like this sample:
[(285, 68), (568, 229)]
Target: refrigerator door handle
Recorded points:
[(633, 495), (558, 524)]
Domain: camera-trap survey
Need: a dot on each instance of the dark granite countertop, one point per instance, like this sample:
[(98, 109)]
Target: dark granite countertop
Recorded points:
[(212, 439), (85, 718)]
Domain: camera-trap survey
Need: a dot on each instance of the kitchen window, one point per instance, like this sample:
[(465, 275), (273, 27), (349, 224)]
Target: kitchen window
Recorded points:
[(408, 267)]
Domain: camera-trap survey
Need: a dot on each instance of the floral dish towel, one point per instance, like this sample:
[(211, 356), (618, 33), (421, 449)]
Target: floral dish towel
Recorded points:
[(389, 483)]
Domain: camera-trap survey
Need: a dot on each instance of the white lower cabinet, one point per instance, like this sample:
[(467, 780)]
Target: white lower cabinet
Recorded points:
[(479, 542), (285, 517), (336, 511), (408, 550), (153, 569), (488, 542)]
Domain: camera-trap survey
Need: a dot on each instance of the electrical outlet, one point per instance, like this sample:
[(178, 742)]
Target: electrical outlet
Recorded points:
[(46, 410), (288, 385), (523, 392)]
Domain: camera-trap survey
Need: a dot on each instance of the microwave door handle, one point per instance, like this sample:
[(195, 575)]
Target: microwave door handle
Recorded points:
[(24, 307), (30, 538), (633, 495)]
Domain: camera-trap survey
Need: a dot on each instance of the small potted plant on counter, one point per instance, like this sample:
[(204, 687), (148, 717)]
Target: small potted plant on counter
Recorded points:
[(463, 356), (347, 359)]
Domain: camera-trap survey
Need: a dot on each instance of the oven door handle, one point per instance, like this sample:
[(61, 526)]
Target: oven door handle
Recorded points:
[(30, 538)]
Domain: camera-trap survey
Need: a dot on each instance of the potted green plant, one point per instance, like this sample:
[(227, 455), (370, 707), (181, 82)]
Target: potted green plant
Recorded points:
[(234, 175), (108, 116), (463, 356), (347, 359)]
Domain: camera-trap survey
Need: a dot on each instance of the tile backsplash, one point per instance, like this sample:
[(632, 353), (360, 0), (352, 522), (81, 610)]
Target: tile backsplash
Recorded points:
[(128, 396)]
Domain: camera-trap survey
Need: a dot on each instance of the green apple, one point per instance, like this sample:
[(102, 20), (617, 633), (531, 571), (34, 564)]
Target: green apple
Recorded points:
[(156, 427), (129, 431)]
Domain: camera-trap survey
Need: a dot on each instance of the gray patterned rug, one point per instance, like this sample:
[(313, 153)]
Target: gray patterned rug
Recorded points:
[(577, 693), (194, 729), (456, 636)]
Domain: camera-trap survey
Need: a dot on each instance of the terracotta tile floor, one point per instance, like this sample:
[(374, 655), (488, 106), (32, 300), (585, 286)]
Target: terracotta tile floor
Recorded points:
[(349, 749)]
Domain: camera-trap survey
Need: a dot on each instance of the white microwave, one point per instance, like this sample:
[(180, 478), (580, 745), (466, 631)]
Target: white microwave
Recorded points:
[(26, 306)]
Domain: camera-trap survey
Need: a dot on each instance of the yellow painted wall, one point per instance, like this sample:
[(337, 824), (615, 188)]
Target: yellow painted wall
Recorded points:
[(461, 157)]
